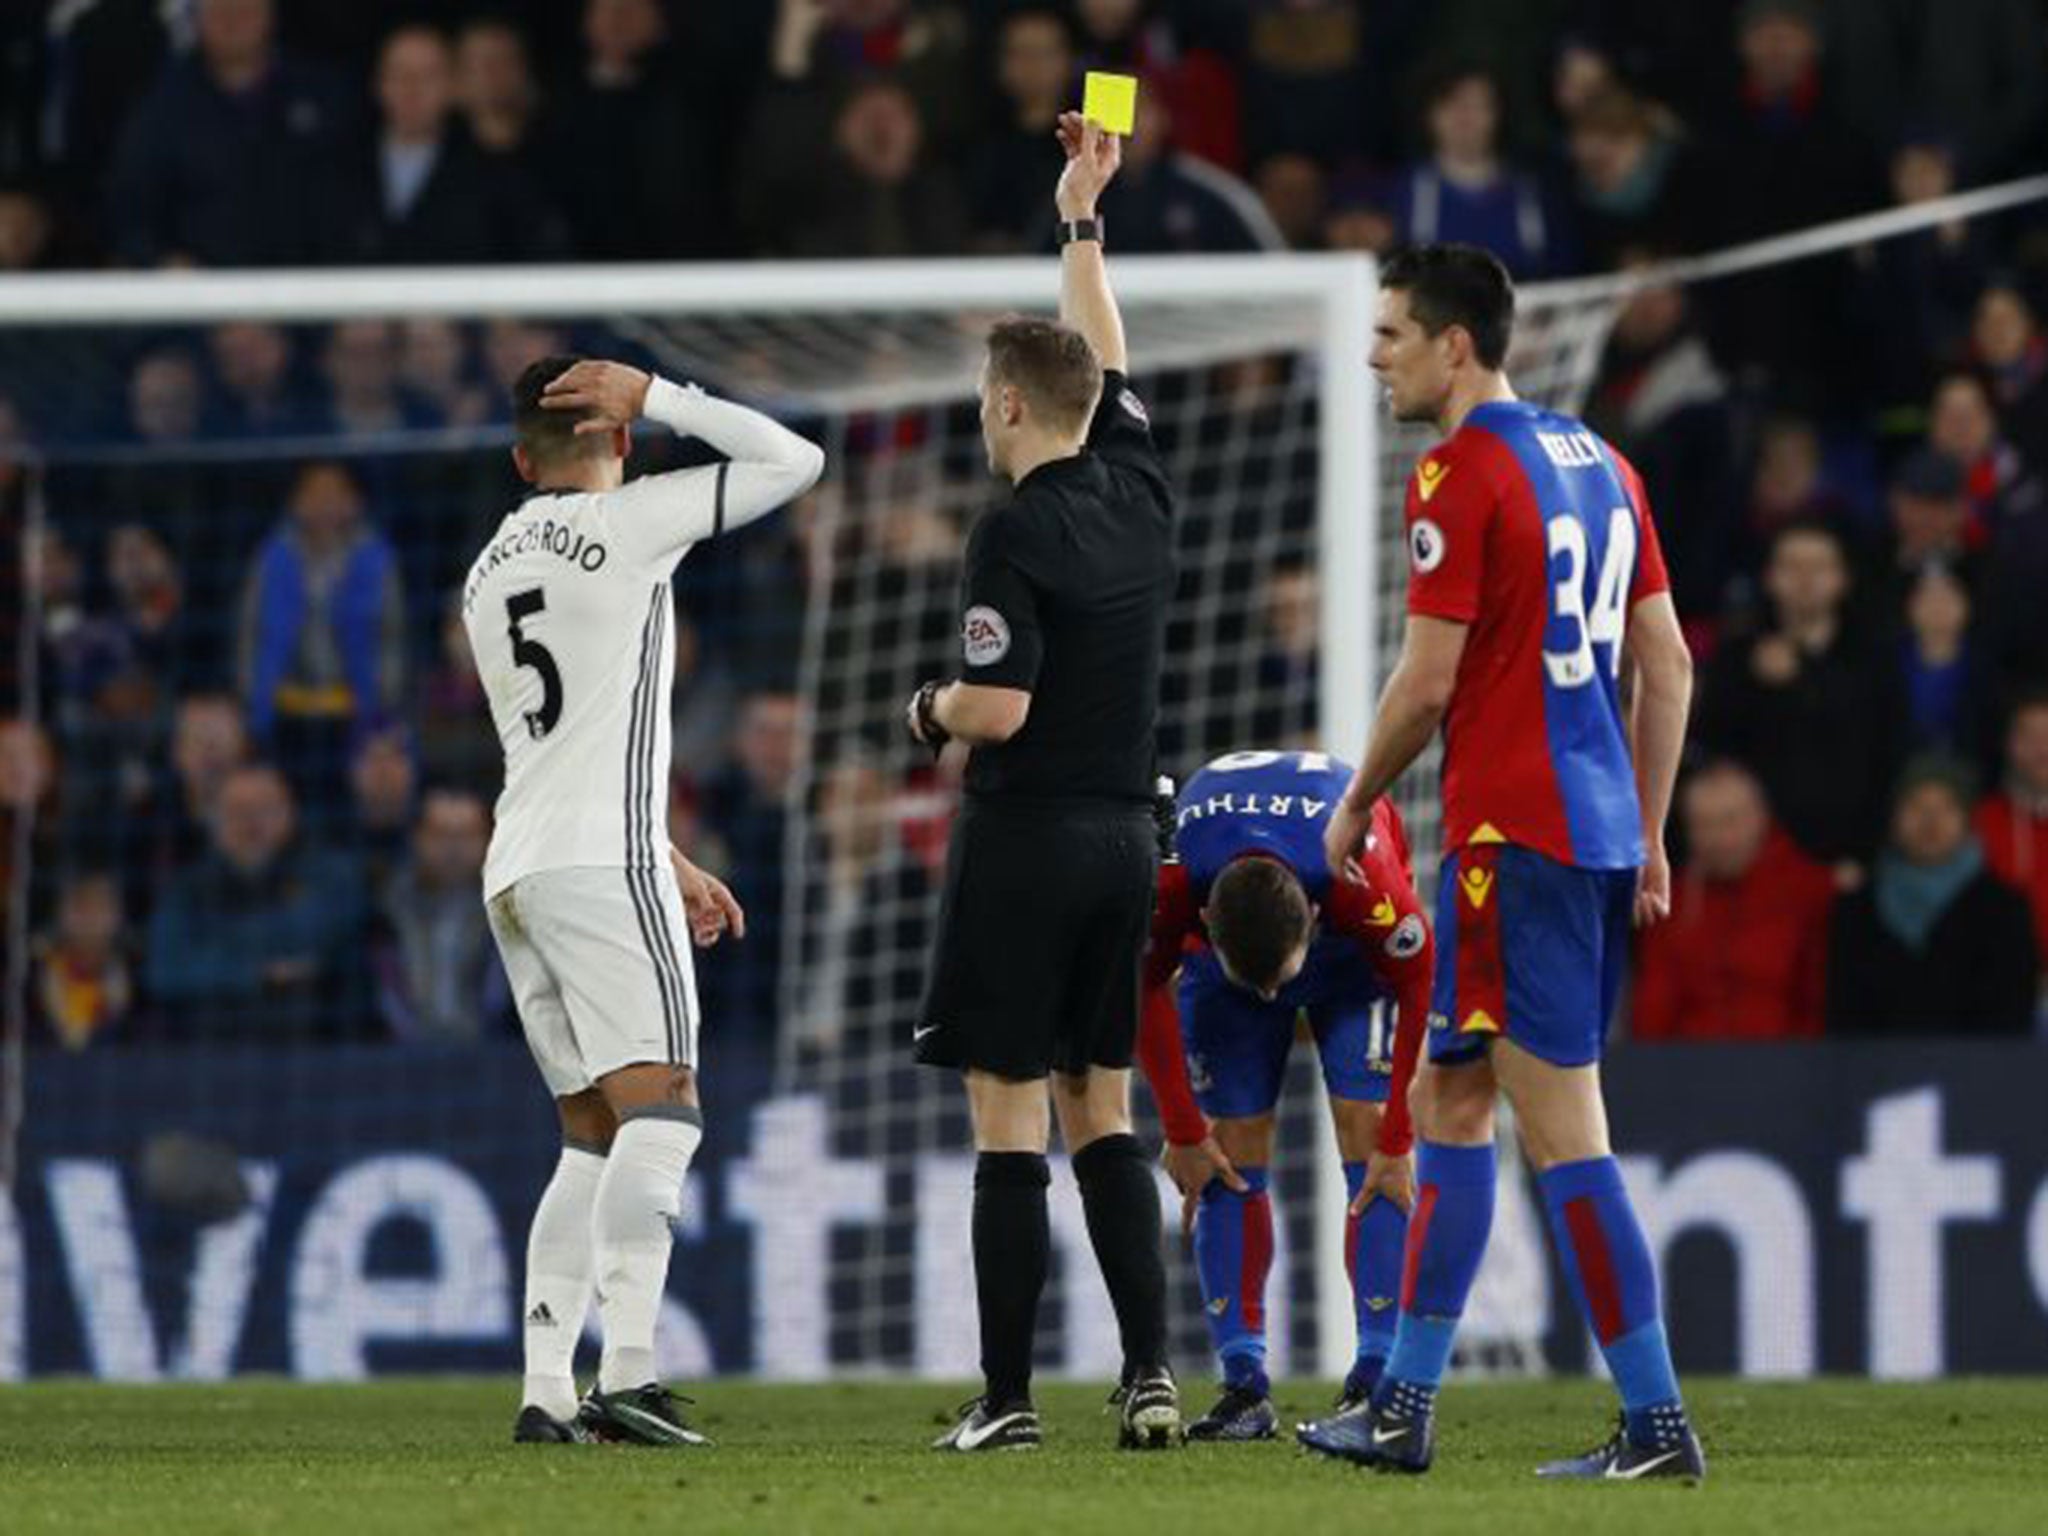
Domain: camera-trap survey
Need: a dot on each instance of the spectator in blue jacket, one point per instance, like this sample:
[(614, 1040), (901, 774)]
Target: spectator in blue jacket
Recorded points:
[(230, 159), (322, 655), (1465, 190), (259, 939)]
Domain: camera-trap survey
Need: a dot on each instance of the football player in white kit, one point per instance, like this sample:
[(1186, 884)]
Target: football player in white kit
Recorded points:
[(569, 610)]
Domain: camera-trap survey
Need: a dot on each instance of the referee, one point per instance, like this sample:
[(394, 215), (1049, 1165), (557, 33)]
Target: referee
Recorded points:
[(1050, 873)]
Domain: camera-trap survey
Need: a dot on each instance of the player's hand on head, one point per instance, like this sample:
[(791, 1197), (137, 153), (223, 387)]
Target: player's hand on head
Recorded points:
[(1653, 888), (1387, 1178), (614, 394), (1192, 1168), (1093, 155)]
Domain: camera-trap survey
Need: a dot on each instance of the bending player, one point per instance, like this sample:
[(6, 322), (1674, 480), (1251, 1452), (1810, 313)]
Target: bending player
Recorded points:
[(1260, 936), (1535, 581)]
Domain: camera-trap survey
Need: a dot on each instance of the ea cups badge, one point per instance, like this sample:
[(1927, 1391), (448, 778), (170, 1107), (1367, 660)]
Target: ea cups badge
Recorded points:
[(984, 636)]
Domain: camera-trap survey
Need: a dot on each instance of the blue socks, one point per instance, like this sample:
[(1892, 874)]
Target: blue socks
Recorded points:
[(1446, 1240), (1615, 1280), (1373, 1245), (1233, 1253)]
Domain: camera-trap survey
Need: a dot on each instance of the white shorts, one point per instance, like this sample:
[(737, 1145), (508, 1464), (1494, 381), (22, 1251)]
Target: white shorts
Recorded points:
[(599, 961)]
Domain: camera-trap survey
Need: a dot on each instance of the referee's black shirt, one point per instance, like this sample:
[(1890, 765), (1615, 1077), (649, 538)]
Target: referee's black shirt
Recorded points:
[(1064, 595)]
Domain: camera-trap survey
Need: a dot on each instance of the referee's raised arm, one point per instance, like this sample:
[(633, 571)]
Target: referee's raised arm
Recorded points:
[(1086, 302)]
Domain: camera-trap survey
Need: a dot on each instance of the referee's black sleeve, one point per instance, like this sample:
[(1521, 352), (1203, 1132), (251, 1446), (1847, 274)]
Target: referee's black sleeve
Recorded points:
[(1001, 642), (1121, 430)]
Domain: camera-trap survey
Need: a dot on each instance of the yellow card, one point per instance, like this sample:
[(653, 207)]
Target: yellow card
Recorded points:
[(1111, 101)]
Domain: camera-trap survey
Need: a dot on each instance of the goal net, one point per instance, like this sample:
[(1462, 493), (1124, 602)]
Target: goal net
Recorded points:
[(1289, 607)]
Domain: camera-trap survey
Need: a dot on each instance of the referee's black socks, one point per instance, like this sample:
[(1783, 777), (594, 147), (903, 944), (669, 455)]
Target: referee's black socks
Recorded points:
[(1012, 1248), (1122, 1202)]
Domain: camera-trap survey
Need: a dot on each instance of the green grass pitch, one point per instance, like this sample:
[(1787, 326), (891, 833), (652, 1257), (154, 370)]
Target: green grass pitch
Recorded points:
[(1953, 1458)]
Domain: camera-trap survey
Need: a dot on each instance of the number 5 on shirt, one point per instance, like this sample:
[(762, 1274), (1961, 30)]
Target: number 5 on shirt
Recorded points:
[(531, 653)]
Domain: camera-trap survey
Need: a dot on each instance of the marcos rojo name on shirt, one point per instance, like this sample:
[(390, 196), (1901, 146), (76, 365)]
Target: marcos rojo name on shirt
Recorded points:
[(571, 545)]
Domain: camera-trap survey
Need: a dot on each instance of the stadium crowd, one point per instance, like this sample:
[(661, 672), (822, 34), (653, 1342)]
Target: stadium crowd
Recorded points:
[(249, 771)]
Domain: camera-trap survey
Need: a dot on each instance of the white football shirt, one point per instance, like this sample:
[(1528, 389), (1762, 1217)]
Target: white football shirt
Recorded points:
[(571, 615)]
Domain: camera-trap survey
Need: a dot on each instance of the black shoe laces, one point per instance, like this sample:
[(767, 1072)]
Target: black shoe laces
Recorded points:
[(658, 1396), (1236, 1400), (1615, 1445), (1123, 1393)]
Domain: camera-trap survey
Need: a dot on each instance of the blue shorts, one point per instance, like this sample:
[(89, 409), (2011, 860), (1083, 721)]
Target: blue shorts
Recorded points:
[(1237, 1043), (1530, 949)]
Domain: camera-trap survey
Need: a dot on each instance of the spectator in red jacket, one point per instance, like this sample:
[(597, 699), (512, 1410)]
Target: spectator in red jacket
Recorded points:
[(2013, 824), (1744, 955)]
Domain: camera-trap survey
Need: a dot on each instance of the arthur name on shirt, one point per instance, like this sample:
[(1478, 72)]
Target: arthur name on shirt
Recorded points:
[(1305, 807)]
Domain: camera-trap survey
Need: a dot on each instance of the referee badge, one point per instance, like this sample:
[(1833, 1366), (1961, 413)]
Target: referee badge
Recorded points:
[(984, 636)]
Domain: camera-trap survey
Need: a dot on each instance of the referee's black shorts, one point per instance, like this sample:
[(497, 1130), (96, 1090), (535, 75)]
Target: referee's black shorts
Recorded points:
[(1042, 933)]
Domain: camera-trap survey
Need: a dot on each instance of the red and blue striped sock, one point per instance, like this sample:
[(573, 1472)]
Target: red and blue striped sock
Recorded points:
[(1373, 1245), (1615, 1280), (1233, 1252), (1446, 1241)]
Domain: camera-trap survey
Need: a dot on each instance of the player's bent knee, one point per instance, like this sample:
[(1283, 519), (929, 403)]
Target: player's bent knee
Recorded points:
[(1558, 1109), (646, 1085), (1247, 1140), (1008, 1115), (1358, 1127), (1456, 1122), (588, 1123), (1092, 1105), (1454, 1106), (1561, 1132)]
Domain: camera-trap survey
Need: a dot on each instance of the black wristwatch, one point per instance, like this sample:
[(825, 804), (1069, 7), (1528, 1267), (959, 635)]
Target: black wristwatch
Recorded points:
[(1070, 230), (1165, 818), (925, 705)]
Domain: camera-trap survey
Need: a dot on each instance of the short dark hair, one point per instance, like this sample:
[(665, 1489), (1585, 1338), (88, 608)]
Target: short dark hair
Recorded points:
[(1457, 285), (2025, 700), (1042, 11), (548, 436), (1050, 365), (1258, 915), (1725, 768), (1448, 74), (1807, 527)]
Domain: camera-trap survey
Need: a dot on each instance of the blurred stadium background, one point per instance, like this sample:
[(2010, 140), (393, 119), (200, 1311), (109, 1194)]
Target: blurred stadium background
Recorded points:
[(265, 1108)]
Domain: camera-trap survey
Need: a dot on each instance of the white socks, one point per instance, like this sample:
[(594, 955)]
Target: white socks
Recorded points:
[(558, 1271), (638, 1196)]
